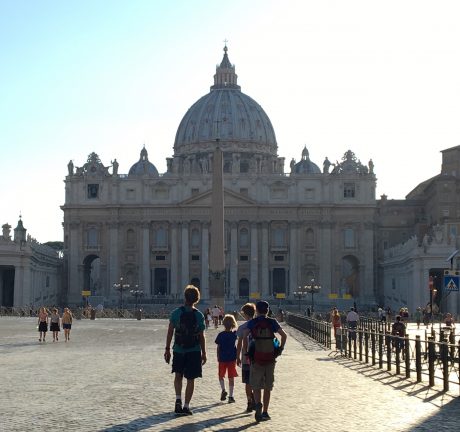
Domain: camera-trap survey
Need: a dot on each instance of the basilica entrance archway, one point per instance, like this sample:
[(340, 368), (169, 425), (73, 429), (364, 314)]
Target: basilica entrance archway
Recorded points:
[(91, 274)]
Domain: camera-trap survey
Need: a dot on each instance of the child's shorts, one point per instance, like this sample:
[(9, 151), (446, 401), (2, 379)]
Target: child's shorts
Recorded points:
[(229, 368)]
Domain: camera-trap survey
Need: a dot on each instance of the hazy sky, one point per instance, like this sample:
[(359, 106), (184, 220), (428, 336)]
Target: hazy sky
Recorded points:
[(381, 78)]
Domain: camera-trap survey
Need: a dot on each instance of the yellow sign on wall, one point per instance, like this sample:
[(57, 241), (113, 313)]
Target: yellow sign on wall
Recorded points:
[(86, 293), (255, 295), (333, 296), (347, 296), (280, 295)]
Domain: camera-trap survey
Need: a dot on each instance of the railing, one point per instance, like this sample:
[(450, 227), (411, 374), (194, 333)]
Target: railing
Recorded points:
[(433, 361), (316, 329)]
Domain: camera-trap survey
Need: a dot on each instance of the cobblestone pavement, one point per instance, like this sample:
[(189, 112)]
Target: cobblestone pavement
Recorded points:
[(111, 377)]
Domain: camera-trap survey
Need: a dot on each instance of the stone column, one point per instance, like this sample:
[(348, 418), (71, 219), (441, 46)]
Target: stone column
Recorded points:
[(265, 281), (234, 260), (254, 282), (205, 261), (18, 286), (74, 293), (325, 258), (366, 288), (174, 269), (145, 283), (294, 254), (113, 267), (185, 277)]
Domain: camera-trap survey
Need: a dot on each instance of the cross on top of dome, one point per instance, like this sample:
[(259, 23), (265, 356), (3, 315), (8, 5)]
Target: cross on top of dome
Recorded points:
[(225, 76)]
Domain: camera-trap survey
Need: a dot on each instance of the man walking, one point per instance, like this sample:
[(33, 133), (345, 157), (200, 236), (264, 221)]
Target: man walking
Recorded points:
[(262, 352), (187, 325)]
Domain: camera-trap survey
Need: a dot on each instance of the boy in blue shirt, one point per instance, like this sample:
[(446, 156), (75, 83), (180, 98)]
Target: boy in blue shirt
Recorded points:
[(226, 356)]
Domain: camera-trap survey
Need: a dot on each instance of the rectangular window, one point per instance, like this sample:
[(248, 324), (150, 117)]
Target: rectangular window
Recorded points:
[(349, 190), (195, 257), (93, 191), (309, 194), (195, 191), (130, 194), (244, 258), (160, 258), (279, 257), (349, 238)]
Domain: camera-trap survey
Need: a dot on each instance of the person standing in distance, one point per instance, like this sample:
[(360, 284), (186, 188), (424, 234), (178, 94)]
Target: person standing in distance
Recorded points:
[(186, 324)]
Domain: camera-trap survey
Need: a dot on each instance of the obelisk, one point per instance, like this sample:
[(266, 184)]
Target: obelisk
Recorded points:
[(216, 249)]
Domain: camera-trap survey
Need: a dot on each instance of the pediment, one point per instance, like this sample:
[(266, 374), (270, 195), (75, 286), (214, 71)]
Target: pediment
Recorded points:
[(230, 199)]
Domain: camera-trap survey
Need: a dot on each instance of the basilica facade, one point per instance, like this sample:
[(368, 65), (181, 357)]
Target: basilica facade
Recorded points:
[(285, 227)]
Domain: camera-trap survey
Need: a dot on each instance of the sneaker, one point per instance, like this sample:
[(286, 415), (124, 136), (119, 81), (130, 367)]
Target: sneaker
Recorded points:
[(231, 399), (178, 407), (223, 395), (258, 414), (265, 416), (250, 407), (186, 411)]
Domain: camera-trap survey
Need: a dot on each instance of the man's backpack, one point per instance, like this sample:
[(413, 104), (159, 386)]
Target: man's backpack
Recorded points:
[(187, 334), (262, 348)]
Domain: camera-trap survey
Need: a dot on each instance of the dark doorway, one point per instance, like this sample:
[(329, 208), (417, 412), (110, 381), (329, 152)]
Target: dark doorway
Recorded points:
[(243, 290), (279, 281), (195, 282), (91, 278), (7, 284), (160, 281)]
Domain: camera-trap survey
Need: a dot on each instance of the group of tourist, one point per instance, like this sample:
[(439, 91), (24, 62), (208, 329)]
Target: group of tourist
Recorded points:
[(214, 316), (252, 346), (54, 321)]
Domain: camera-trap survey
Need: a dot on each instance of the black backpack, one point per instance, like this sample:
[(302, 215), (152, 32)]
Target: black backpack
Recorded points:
[(187, 334)]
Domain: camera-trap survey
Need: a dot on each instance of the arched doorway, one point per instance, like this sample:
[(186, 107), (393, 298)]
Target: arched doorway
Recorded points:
[(243, 290), (350, 275), (91, 275)]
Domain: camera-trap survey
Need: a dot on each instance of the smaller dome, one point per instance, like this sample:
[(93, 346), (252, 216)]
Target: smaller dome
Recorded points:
[(306, 166), (143, 166)]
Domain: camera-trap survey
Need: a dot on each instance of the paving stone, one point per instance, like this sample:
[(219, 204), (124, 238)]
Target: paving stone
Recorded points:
[(111, 377)]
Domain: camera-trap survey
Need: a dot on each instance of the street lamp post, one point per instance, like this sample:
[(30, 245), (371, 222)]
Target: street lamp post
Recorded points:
[(300, 293), (137, 293), (121, 287), (312, 288)]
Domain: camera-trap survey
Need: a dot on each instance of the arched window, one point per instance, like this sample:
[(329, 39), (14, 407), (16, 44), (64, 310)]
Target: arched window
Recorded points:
[(244, 238), (310, 237)]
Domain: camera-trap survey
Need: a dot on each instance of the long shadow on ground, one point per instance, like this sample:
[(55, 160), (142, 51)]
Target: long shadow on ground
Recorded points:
[(144, 423)]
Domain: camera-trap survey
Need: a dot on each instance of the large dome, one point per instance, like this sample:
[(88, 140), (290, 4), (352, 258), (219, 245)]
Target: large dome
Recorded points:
[(226, 114)]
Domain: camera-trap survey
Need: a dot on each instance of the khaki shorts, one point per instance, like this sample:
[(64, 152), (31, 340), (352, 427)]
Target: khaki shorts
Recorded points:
[(262, 376)]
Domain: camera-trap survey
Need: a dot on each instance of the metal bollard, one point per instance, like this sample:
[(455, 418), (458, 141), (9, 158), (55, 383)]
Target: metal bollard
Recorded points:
[(388, 342), (418, 358), (396, 340), (431, 360), (361, 345), (366, 347), (380, 350), (373, 348), (445, 364), (407, 355)]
